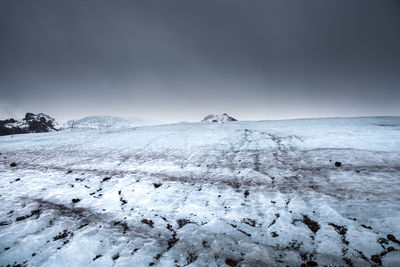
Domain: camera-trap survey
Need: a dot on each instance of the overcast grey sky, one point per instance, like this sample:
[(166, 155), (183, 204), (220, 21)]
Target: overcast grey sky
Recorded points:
[(180, 60)]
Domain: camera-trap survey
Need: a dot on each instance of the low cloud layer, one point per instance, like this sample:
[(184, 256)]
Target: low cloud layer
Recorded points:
[(180, 60)]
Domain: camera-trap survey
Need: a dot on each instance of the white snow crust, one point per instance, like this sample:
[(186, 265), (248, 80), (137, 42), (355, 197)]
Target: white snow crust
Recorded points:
[(247, 193)]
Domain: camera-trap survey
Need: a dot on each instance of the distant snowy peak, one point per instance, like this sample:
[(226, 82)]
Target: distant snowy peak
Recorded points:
[(32, 123), (218, 118), (104, 122)]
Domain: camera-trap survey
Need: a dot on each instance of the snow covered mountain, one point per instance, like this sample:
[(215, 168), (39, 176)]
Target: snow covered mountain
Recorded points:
[(272, 193), (103, 122), (218, 118), (32, 123)]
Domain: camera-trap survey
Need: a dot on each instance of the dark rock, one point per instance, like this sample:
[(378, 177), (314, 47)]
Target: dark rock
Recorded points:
[(367, 227), (34, 212), (341, 230), (312, 264), (124, 225), (243, 232), (249, 221), (97, 256), (377, 259), (277, 215), (192, 257), (218, 118), (62, 235), (106, 179), (32, 123), (313, 225), (13, 164), (169, 227), (182, 222), (157, 185), (172, 241), (205, 244), (383, 241), (393, 239), (348, 261), (362, 256), (148, 222), (29, 116), (83, 225), (123, 201), (232, 262), (115, 257), (338, 164)]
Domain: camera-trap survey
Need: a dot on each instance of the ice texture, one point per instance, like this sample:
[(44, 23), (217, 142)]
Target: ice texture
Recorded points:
[(268, 193)]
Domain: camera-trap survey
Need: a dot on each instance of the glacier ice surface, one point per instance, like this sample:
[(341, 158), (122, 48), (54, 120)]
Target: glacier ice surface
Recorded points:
[(262, 193)]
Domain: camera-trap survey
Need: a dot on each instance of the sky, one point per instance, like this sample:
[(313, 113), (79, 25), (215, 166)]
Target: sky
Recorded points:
[(181, 60)]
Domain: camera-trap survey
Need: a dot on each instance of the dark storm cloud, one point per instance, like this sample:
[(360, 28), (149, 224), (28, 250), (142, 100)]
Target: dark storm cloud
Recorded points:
[(178, 60)]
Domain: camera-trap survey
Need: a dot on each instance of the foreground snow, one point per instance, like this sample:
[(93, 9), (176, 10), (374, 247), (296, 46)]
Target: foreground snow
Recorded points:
[(241, 193)]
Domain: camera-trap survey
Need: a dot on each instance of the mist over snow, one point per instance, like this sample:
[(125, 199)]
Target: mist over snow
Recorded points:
[(103, 122)]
